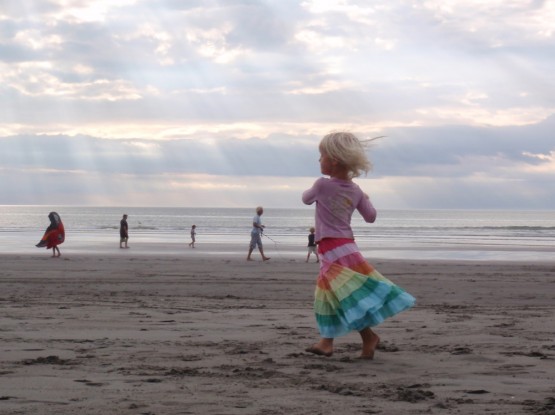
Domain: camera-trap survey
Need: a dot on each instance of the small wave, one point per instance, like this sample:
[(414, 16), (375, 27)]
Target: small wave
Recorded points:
[(520, 228)]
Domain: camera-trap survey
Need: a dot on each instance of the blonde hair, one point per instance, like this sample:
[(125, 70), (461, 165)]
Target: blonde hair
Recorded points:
[(348, 150)]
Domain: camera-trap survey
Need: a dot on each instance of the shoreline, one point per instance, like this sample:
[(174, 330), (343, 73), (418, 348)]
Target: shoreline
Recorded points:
[(199, 334), (174, 244)]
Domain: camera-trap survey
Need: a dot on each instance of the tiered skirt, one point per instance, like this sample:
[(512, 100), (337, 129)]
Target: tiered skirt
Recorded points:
[(350, 294)]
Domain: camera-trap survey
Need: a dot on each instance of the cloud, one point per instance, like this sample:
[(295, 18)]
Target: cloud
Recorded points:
[(445, 166), (212, 96), (253, 62)]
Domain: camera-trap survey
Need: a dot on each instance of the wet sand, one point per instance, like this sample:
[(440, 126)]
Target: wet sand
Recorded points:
[(137, 333)]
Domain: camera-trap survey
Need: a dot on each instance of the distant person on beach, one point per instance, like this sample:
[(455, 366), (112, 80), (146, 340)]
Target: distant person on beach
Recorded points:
[(193, 233), (54, 235), (350, 294), (311, 245), (123, 232), (256, 235)]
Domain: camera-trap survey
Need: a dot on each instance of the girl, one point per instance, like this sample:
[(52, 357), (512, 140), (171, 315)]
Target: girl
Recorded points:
[(350, 294)]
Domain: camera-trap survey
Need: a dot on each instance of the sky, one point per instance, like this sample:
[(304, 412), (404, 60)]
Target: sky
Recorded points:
[(223, 103)]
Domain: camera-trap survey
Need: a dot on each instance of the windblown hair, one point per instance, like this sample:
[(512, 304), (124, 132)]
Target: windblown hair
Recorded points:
[(347, 150)]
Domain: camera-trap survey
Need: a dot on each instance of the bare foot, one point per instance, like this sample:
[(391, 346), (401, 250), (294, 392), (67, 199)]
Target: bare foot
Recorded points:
[(249, 259), (369, 346), (323, 348), (266, 258), (316, 350)]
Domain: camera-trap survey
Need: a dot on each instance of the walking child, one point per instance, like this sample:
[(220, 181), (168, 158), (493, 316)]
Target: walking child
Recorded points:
[(350, 294), (193, 233), (311, 245)]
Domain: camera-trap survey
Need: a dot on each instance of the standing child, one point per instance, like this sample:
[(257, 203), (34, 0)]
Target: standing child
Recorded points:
[(193, 233), (311, 245), (350, 294), (123, 232)]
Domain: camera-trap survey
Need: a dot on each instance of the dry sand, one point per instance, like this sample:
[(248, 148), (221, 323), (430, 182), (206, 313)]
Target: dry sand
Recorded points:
[(132, 333)]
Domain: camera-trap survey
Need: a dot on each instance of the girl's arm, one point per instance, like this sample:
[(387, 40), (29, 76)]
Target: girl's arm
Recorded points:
[(309, 196), (366, 209)]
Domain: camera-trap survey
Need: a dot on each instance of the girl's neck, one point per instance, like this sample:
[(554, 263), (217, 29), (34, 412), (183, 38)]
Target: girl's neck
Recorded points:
[(340, 173)]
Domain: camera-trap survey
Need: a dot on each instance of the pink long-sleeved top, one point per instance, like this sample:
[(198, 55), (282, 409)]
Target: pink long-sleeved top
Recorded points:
[(336, 200)]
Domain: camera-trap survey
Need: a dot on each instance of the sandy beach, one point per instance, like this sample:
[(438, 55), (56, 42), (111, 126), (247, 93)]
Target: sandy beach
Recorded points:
[(164, 333)]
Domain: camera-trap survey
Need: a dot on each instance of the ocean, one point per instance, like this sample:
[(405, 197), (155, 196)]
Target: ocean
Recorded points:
[(403, 234)]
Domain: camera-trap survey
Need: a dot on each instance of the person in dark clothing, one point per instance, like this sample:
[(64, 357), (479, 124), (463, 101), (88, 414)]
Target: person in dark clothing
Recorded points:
[(311, 245), (123, 232)]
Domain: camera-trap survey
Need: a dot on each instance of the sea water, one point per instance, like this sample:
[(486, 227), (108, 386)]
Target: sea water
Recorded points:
[(408, 234)]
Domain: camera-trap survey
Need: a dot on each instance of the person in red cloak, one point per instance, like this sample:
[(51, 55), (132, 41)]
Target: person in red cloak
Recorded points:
[(54, 235)]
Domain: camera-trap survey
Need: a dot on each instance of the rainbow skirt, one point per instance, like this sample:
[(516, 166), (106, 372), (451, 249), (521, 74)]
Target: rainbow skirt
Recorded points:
[(350, 294)]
